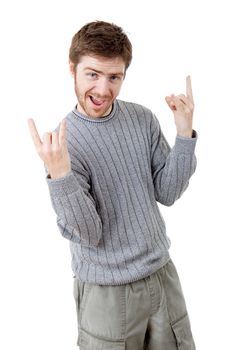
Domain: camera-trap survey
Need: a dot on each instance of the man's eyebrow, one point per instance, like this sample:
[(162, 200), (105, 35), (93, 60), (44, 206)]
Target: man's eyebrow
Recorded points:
[(98, 71)]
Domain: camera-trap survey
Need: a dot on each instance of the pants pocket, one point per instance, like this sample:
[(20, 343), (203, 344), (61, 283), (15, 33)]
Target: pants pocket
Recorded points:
[(103, 312), (78, 292), (183, 334), (86, 341)]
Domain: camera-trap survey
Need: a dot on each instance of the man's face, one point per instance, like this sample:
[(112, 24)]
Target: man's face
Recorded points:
[(98, 82)]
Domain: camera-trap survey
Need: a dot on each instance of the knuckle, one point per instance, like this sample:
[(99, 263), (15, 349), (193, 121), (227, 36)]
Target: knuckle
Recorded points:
[(47, 152)]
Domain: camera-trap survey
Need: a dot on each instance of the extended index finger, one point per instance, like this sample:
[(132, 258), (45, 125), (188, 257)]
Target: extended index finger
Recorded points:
[(34, 133), (189, 92)]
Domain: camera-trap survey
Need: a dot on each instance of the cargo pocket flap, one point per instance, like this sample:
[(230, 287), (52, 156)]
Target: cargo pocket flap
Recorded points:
[(183, 334), (89, 342)]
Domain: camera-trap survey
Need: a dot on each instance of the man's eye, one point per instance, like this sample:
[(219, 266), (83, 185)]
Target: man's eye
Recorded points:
[(114, 77), (92, 75)]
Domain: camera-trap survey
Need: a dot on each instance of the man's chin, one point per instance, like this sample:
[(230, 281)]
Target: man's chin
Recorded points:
[(101, 113), (97, 115), (94, 111)]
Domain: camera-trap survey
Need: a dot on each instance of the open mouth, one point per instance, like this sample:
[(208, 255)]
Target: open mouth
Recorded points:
[(96, 101)]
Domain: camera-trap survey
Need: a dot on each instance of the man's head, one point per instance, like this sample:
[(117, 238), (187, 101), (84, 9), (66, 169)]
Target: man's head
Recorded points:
[(100, 39), (100, 54)]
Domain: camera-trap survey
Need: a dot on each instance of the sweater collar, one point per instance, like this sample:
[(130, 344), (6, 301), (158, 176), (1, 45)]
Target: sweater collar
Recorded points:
[(96, 119)]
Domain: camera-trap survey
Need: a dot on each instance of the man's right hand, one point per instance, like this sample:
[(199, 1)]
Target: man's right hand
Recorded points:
[(52, 150)]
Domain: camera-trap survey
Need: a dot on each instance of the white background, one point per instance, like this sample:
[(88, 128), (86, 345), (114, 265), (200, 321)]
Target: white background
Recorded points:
[(171, 39)]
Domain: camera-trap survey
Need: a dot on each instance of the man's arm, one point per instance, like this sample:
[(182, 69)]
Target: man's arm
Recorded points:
[(172, 168), (77, 217)]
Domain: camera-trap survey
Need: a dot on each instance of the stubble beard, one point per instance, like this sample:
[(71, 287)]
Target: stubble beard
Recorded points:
[(87, 111)]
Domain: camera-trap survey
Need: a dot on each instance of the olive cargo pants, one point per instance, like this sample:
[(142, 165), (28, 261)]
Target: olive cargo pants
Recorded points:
[(149, 314)]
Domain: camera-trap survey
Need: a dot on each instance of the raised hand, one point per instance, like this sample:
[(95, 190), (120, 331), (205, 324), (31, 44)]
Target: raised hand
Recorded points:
[(183, 107), (52, 150)]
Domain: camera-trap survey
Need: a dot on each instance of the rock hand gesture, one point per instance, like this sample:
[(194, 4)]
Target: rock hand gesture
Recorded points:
[(183, 107), (52, 149)]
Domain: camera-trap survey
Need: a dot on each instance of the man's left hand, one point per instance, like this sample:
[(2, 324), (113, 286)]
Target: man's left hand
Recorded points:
[(183, 107)]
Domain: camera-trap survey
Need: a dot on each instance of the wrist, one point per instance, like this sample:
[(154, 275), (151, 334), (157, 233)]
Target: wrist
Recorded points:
[(187, 133), (57, 176), (58, 173)]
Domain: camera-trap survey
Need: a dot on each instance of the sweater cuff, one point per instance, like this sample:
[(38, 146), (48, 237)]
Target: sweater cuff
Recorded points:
[(186, 144), (63, 186)]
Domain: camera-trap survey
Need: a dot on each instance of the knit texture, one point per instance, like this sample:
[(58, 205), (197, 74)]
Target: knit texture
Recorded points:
[(107, 205)]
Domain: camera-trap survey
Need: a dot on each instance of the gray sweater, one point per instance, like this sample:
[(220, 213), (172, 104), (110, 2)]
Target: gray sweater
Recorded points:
[(107, 205)]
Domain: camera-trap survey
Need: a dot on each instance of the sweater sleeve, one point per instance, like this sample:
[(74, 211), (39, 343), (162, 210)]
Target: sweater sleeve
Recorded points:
[(77, 217), (171, 168)]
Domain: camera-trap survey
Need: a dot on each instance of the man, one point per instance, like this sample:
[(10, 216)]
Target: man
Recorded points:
[(108, 165)]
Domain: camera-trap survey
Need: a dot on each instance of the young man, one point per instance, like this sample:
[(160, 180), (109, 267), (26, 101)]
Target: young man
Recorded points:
[(108, 165)]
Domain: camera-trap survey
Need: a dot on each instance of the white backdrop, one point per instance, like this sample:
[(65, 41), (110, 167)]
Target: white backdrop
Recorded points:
[(171, 39)]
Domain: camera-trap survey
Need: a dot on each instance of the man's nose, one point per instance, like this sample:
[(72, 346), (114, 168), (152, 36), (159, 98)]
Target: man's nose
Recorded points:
[(103, 87)]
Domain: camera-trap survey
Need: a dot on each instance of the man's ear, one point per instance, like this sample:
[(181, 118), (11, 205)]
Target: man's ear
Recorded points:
[(72, 68)]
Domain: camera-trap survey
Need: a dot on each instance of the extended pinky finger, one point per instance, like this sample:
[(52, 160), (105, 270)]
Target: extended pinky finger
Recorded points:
[(55, 139), (62, 132)]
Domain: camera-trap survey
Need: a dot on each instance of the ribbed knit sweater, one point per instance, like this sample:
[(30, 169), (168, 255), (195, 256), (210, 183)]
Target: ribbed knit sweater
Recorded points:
[(107, 205)]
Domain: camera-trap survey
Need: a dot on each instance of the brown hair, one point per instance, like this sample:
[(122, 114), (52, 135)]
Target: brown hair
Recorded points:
[(100, 39)]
